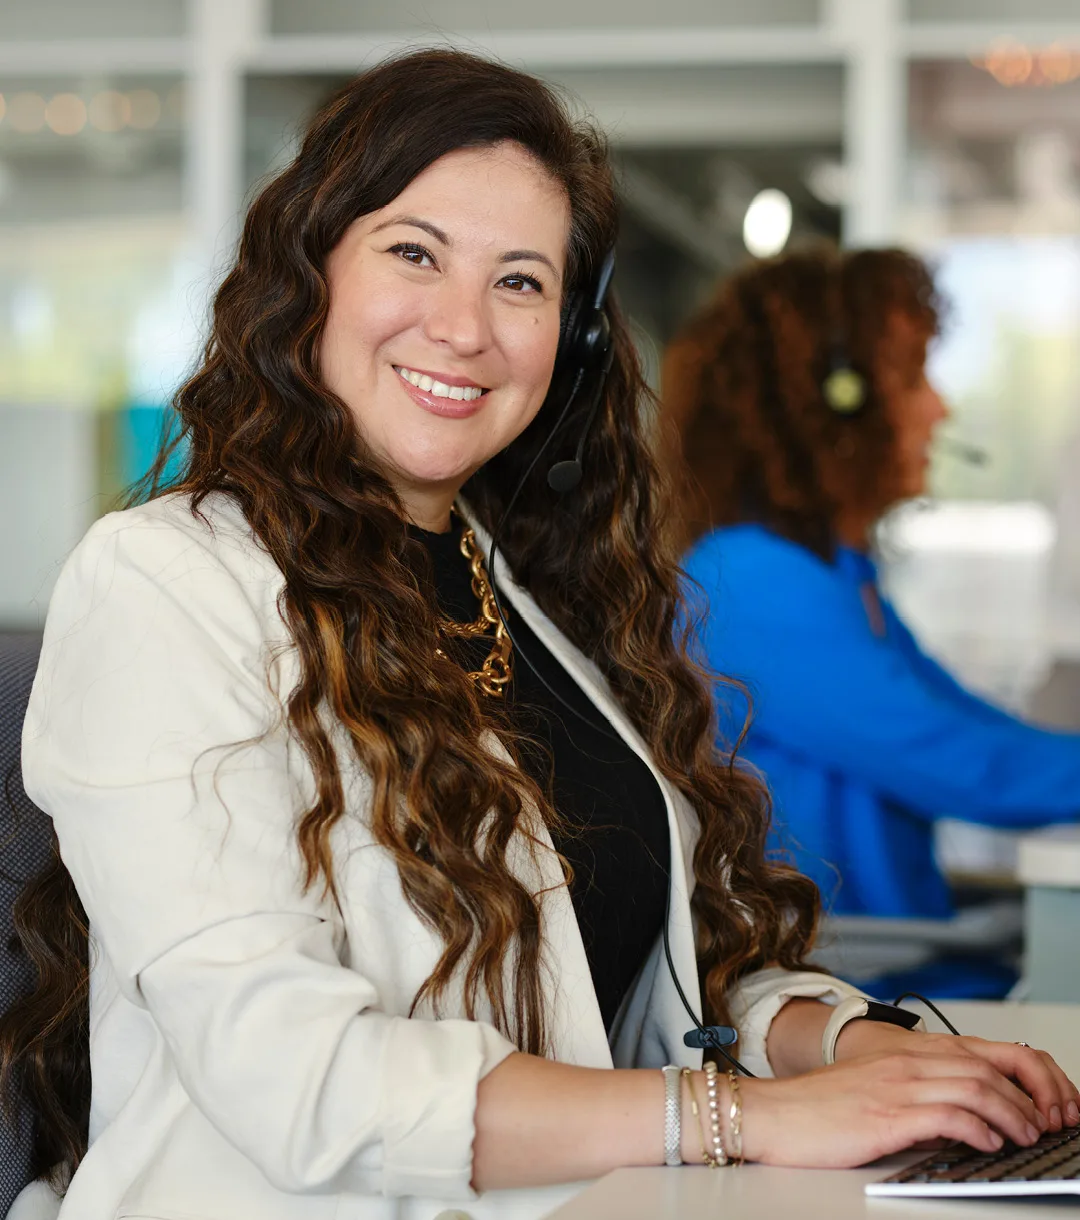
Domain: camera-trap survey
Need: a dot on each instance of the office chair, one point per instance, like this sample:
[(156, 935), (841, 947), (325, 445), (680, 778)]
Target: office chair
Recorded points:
[(25, 847)]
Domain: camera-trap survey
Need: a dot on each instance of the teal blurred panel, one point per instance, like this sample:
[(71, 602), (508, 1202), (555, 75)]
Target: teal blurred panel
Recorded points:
[(143, 429)]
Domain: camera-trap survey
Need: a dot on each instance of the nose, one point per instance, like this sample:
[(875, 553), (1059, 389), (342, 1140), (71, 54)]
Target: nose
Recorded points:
[(458, 317)]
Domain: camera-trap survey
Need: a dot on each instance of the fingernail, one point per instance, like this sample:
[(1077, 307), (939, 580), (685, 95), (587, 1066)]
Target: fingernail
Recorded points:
[(1073, 1112), (1055, 1117), (996, 1139), (1032, 1134)]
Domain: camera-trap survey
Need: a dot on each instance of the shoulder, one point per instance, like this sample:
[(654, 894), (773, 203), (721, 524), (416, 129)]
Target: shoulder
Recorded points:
[(207, 562), (742, 558), (172, 523), (162, 532)]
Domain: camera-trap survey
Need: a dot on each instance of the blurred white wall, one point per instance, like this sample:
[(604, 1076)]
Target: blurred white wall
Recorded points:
[(48, 499)]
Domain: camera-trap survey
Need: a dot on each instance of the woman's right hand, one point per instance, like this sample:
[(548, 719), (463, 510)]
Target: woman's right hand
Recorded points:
[(853, 1112)]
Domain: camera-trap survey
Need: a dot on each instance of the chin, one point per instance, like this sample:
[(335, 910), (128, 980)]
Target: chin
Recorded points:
[(434, 476)]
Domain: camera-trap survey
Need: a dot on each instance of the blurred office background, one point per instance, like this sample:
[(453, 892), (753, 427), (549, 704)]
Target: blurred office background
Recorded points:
[(132, 132)]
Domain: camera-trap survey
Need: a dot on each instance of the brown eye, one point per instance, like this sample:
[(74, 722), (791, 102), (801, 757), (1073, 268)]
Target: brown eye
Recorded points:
[(522, 283), (414, 254)]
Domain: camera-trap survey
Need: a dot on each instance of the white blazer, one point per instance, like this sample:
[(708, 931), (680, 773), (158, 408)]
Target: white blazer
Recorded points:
[(251, 1049)]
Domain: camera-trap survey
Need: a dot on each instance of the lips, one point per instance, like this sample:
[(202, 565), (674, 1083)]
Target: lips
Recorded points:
[(452, 388), (457, 399)]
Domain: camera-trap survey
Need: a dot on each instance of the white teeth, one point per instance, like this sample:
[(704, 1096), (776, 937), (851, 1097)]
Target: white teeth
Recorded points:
[(466, 393)]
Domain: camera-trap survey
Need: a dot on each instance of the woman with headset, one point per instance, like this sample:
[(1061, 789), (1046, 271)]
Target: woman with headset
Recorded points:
[(392, 805), (803, 407)]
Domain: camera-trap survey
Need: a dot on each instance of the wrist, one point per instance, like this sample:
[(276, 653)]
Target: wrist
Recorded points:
[(864, 1011), (863, 1037)]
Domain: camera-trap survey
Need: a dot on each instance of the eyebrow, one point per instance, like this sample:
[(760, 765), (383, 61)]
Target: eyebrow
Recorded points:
[(511, 256)]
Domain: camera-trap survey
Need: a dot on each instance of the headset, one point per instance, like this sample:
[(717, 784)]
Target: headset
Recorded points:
[(844, 388), (846, 392), (585, 351)]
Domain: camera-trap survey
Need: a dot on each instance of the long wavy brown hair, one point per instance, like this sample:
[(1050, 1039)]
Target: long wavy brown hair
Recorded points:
[(742, 390), (260, 427)]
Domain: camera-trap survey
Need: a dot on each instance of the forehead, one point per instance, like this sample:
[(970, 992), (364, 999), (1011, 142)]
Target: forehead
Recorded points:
[(497, 197)]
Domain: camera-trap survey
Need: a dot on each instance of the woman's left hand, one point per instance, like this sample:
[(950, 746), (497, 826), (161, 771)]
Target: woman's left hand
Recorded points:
[(1054, 1094)]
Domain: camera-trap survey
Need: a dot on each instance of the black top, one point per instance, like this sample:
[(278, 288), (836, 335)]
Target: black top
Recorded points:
[(616, 835)]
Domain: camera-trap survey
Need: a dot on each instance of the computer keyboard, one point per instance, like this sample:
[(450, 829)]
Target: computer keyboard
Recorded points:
[(1049, 1167)]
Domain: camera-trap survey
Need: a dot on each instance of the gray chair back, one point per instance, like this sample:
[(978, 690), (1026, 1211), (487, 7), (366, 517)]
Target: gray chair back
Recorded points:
[(25, 839)]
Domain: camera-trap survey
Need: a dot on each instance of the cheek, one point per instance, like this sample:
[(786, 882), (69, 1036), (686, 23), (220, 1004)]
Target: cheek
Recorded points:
[(360, 322), (531, 354)]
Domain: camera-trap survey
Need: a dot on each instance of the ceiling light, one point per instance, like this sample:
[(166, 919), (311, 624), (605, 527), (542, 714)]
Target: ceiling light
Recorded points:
[(767, 223)]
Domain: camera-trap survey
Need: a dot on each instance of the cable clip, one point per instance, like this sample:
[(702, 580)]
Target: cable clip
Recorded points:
[(707, 1036)]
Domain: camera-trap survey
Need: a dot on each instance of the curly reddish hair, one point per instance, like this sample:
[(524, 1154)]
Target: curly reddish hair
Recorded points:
[(742, 390)]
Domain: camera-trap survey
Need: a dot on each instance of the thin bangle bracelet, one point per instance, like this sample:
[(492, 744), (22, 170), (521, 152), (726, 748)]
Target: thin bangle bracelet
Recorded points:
[(706, 1156), (735, 1119)]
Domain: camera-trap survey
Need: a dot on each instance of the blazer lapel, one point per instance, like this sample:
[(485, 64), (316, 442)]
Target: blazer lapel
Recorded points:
[(668, 1009)]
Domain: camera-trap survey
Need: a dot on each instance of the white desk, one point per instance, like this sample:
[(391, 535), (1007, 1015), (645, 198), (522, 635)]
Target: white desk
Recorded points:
[(760, 1192)]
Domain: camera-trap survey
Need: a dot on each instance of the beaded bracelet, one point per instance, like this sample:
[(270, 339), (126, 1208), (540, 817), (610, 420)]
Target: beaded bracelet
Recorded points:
[(719, 1155), (735, 1117)]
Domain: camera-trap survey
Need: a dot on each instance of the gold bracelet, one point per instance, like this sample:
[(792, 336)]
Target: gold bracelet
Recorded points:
[(735, 1118), (719, 1155), (706, 1155)]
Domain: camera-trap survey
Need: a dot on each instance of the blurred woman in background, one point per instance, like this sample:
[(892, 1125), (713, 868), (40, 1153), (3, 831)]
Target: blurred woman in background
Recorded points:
[(802, 406)]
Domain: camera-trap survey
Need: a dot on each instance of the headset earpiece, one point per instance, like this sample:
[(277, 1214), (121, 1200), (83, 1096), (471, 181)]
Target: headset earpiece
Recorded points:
[(585, 354), (843, 387)]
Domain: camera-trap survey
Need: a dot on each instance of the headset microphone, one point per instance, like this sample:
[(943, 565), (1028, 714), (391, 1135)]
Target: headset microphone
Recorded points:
[(972, 454), (565, 476)]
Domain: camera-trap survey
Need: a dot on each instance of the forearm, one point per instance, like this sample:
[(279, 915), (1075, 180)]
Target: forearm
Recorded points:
[(540, 1122)]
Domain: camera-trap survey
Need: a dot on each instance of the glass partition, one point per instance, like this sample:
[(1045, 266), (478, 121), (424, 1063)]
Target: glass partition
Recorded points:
[(49, 20), (992, 198), (93, 297), (346, 16)]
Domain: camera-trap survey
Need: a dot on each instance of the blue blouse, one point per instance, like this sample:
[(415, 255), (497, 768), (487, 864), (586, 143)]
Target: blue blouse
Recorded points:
[(864, 740)]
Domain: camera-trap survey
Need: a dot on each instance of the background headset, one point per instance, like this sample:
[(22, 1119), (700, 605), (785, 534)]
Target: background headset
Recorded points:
[(847, 393), (843, 387)]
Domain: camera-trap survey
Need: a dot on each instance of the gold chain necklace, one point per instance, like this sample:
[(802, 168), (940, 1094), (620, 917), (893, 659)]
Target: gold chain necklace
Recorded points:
[(494, 675)]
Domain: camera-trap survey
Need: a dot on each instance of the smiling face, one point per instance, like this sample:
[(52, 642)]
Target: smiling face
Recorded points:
[(444, 319)]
